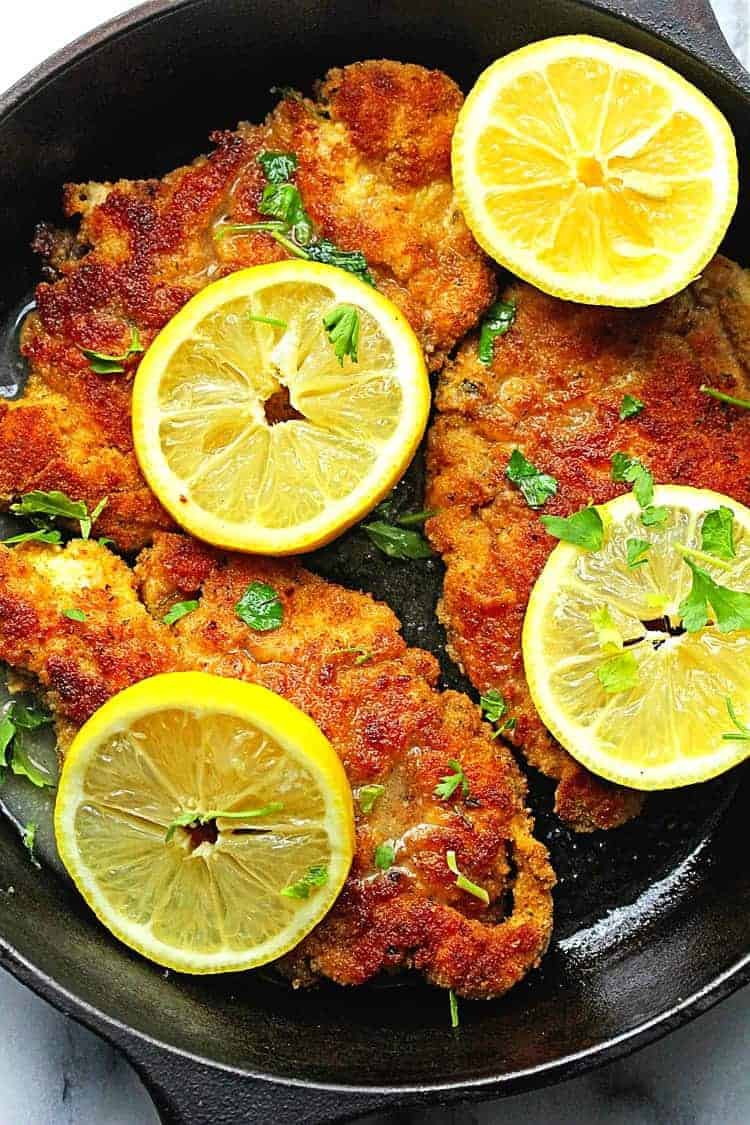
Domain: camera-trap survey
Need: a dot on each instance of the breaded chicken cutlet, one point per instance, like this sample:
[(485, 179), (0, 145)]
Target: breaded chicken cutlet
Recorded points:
[(383, 715), (553, 390), (374, 174)]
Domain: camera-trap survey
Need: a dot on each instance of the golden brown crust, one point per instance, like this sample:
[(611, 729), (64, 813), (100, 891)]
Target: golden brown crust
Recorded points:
[(554, 390), (374, 173), (383, 715)]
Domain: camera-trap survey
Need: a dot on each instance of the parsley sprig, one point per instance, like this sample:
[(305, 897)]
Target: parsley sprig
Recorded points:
[(178, 611), (450, 782), (494, 709), (731, 608), (397, 542), (583, 528), (16, 721), (342, 329), (41, 508), (630, 469), (289, 223)]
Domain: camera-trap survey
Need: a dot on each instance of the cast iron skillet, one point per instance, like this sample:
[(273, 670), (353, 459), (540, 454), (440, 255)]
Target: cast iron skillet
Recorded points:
[(653, 921)]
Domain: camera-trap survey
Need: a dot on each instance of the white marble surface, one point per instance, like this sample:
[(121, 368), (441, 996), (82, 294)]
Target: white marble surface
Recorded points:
[(52, 1072)]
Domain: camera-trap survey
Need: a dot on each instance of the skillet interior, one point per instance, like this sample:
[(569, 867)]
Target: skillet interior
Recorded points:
[(647, 916)]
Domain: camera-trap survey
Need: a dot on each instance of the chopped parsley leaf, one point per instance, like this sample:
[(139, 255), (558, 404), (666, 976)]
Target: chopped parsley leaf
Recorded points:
[(630, 407), (315, 876), (652, 515), (493, 705), (619, 673), (179, 610), (731, 607), (450, 782), (260, 607), (277, 166), (397, 542), (367, 795), (104, 364), (536, 487), (742, 733), (497, 322), (385, 855), (342, 329), (608, 635), (630, 469), (463, 883), (717, 533), (74, 614), (584, 528), (353, 261), (636, 552)]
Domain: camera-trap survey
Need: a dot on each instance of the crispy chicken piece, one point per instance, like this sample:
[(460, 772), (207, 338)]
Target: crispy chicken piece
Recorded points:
[(340, 657), (554, 391), (374, 174)]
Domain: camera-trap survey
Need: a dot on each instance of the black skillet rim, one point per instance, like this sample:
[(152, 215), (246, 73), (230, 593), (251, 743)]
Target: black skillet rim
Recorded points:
[(135, 1043)]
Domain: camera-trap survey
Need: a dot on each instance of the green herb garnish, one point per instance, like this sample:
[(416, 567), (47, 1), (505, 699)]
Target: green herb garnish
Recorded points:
[(74, 614), (397, 542), (450, 782), (342, 328), (196, 819), (454, 1007), (536, 487), (385, 855), (636, 552), (289, 223), (272, 320), (28, 836), (743, 732), (315, 876), (14, 754), (260, 607), (414, 519), (717, 533), (652, 515), (608, 635), (620, 673), (42, 507), (179, 610), (722, 397), (367, 795), (493, 705), (584, 528), (498, 320), (40, 535), (463, 883), (731, 607), (104, 364), (630, 469), (630, 407), (277, 166)]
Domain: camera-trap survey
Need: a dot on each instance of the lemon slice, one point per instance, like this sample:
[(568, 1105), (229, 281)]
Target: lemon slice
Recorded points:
[(240, 889), (594, 172), (665, 725), (251, 432)]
